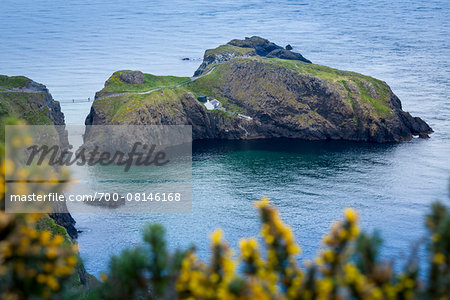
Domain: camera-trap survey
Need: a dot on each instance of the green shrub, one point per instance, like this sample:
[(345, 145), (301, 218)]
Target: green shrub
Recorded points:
[(347, 267), (38, 264)]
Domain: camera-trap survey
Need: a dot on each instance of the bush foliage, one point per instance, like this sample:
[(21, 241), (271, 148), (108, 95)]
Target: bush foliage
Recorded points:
[(347, 267), (37, 263)]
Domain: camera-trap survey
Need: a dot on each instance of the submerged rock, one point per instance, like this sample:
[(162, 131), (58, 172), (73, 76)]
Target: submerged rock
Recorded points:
[(267, 95)]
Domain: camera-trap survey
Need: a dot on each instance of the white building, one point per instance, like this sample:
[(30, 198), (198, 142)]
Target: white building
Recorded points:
[(213, 104)]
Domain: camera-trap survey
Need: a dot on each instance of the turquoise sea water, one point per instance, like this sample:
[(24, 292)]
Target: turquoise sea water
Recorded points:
[(73, 47)]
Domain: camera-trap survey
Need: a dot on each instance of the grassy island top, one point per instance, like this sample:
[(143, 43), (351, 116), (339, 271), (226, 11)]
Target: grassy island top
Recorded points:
[(369, 90), (224, 49), (13, 81), (115, 85)]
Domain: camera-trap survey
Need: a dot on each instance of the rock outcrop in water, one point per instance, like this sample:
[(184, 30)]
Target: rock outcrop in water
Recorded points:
[(26, 99), (265, 92)]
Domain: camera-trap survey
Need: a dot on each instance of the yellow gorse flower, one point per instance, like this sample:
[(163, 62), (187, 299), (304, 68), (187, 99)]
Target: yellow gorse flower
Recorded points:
[(37, 259)]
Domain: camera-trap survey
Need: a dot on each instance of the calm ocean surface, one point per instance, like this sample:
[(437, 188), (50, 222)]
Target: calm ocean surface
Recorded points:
[(73, 47)]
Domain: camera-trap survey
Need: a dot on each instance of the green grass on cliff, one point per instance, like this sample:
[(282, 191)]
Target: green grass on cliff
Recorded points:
[(210, 84), (47, 223), (115, 85), (13, 81), (381, 107), (38, 118), (230, 49), (319, 71), (369, 91), (28, 106), (125, 108), (379, 103)]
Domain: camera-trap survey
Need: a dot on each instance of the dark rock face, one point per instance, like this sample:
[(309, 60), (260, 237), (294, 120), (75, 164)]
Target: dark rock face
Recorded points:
[(416, 125), (288, 47), (217, 58), (55, 113), (286, 54), (67, 221), (57, 117), (134, 77), (266, 48), (96, 117), (261, 47)]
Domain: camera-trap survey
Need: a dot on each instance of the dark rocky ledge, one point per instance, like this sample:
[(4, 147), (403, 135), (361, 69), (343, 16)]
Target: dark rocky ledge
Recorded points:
[(250, 46)]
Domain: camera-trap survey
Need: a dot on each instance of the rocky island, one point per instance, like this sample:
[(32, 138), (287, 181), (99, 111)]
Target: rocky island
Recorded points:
[(253, 88)]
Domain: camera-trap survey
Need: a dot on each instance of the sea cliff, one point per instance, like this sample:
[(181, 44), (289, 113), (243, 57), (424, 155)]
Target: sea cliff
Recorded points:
[(26, 99)]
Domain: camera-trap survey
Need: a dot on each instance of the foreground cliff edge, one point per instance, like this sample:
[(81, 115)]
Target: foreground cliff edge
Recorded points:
[(26, 99), (253, 88), (23, 98)]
